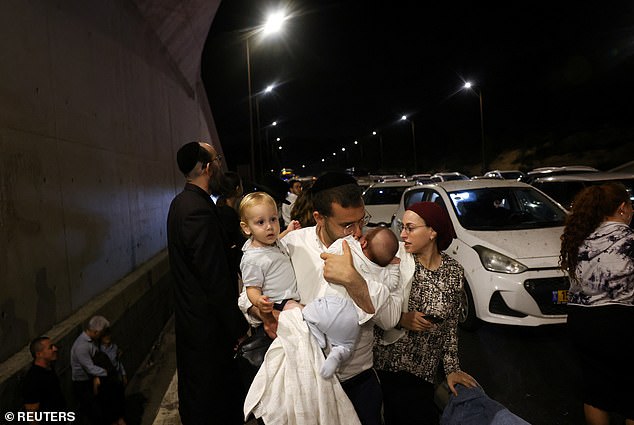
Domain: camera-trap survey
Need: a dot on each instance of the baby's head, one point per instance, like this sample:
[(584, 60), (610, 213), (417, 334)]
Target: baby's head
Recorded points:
[(258, 218), (379, 245), (106, 337)]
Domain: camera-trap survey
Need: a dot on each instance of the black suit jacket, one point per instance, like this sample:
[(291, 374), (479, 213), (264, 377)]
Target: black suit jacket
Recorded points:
[(206, 290)]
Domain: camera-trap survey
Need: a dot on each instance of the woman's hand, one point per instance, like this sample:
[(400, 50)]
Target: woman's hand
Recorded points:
[(462, 378), (415, 321)]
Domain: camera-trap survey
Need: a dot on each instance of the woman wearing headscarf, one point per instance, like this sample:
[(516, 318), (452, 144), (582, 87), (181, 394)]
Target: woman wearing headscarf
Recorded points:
[(407, 357), (597, 251)]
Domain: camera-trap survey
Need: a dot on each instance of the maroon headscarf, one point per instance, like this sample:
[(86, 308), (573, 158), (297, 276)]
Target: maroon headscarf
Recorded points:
[(438, 218)]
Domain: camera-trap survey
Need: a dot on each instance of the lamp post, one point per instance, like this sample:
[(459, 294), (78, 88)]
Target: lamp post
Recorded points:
[(468, 85), (273, 24), (411, 123), (374, 133), (268, 147), (267, 90), (356, 142)]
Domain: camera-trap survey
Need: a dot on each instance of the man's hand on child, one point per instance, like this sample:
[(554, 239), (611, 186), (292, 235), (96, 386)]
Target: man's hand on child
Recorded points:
[(270, 325), (339, 269)]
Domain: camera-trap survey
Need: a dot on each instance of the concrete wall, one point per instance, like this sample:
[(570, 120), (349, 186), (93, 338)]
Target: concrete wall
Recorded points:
[(95, 99)]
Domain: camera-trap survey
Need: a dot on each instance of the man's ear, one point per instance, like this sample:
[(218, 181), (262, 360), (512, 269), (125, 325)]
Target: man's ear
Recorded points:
[(318, 218)]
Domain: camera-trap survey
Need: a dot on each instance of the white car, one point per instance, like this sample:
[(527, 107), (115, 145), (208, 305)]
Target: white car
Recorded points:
[(443, 177), (381, 201), (505, 174), (564, 188), (556, 171), (508, 243)]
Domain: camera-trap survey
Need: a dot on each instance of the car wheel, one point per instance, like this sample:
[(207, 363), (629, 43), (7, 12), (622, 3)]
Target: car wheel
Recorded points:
[(467, 318)]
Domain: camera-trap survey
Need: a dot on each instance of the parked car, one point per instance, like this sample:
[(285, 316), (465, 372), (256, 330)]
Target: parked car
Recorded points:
[(420, 176), (423, 178), (381, 201), (508, 243), (444, 177), (564, 188), (556, 171), (505, 174)]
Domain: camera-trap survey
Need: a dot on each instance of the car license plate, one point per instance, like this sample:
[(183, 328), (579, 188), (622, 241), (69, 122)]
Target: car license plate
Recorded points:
[(560, 296)]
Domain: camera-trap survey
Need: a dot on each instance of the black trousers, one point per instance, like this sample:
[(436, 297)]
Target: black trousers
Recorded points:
[(364, 391), (407, 399), (89, 408)]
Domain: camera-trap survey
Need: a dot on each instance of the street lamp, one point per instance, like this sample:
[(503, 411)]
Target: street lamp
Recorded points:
[(469, 86), (273, 24), (411, 122)]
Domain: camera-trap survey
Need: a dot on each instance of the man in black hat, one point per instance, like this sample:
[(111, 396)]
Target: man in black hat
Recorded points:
[(208, 322), (339, 211)]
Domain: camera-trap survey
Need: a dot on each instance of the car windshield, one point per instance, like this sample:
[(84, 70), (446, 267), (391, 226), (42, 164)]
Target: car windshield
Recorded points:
[(511, 175), (383, 195), (505, 208), (565, 192)]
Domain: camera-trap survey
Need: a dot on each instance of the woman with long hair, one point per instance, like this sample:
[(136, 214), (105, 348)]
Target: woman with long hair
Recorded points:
[(597, 251)]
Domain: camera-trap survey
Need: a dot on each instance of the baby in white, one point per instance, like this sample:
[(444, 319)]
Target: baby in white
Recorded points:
[(334, 319)]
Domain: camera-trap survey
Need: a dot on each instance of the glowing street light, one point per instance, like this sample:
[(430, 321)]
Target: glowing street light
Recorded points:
[(272, 24), (469, 86)]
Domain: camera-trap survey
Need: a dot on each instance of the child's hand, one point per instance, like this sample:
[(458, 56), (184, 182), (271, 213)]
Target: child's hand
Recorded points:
[(264, 304), (293, 225)]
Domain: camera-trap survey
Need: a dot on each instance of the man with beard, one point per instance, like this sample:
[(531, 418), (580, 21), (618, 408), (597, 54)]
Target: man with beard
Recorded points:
[(208, 321)]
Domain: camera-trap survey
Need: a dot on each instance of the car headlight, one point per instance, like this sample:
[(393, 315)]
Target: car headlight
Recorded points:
[(495, 262)]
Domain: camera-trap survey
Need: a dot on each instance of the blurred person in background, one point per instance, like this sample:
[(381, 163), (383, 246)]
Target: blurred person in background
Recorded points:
[(295, 188), (86, 375), (597, 251), (41, 391), (227, 204), (302, 209)]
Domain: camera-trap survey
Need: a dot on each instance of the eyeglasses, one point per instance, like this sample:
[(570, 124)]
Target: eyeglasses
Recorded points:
[(408, 228), (217, 158), (350, 228)]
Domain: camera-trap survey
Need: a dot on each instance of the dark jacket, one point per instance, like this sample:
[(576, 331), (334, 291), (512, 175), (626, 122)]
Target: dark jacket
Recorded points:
[(208, 321)]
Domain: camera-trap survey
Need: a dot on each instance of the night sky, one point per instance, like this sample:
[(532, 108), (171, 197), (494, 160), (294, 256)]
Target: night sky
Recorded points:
[(549, 72)]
